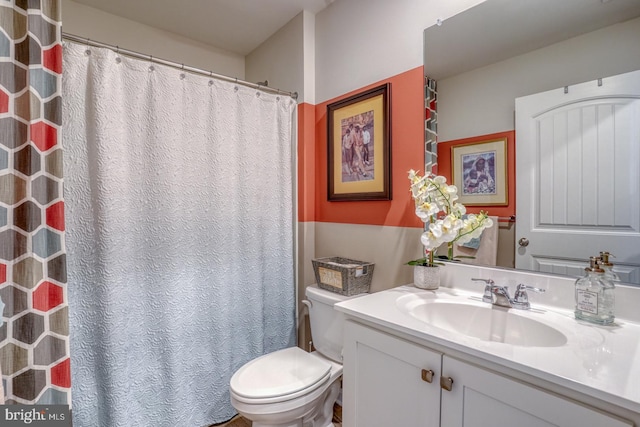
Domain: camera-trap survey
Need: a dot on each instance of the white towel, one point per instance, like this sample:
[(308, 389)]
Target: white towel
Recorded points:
[(487, 253)]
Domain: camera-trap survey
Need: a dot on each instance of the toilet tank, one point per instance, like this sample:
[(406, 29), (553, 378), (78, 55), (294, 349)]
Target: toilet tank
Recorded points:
[(326, 323)]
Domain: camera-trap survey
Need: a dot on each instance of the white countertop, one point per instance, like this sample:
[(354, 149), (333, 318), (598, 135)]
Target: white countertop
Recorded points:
[(600, 361)]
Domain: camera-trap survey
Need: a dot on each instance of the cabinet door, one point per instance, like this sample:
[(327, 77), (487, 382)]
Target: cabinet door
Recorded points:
[(383, 382), (480, 398)]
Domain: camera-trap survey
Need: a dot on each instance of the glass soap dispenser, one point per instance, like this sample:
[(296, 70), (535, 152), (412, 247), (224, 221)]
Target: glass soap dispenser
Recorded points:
[(595, 299)]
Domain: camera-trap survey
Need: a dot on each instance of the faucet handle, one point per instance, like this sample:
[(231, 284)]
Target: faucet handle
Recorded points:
[(522, 287), (487, 281), (487, 297), (521, 298)]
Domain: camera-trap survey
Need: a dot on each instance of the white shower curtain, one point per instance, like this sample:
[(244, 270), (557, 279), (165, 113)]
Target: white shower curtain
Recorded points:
[(179, 221)]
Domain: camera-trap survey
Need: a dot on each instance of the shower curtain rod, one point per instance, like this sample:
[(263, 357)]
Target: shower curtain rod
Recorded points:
[(261, 86)]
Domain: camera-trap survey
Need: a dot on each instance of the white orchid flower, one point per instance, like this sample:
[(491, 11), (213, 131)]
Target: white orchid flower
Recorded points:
[(429, 240), (450, 226), (432, 196)]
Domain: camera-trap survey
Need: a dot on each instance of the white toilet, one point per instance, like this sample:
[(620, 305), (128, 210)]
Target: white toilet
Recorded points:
[(290, 387)]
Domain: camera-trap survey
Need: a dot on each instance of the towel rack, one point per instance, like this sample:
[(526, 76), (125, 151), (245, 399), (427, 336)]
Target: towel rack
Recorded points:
[(511, 218)]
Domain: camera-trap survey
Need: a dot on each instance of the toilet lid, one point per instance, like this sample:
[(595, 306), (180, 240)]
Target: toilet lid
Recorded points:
[(280, 373)]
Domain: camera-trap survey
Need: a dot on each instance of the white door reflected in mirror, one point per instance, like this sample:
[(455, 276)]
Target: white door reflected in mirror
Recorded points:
[(577, 176)]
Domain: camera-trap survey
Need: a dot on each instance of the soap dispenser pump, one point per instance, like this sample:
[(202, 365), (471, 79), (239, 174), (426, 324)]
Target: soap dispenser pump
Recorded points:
[(607, 266), (595, 299)]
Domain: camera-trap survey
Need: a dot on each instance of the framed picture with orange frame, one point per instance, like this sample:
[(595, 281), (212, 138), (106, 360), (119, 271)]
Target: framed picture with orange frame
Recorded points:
[(479, 170)]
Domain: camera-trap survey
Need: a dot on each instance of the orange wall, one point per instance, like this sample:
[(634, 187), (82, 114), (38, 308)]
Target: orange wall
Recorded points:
[(407, 142)]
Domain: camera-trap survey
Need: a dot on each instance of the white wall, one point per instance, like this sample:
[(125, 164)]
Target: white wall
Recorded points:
[(287, 58), (280, 59), (88, 22), (348, 45), (359, 42), (482, 101), (309, 91)]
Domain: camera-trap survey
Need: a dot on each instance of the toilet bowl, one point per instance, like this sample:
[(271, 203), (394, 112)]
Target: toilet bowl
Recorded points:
[(290, 387)]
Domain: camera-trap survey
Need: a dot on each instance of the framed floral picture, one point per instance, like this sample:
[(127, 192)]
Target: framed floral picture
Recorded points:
[(479, 170), (359, 147)]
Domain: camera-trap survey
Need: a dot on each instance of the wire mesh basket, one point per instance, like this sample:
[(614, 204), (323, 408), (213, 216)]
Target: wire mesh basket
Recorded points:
[(343, 275)]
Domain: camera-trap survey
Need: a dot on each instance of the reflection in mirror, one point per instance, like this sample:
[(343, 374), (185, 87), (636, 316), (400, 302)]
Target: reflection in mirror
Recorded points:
[(481, 60)]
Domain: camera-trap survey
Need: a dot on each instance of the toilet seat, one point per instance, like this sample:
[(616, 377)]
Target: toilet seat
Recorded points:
[(279, 376)]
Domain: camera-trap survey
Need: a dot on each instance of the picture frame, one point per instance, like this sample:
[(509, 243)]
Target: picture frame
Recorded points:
[(479, 170), (359, 146)]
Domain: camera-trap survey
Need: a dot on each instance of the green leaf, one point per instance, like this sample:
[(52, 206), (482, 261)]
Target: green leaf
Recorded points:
[(424, 262)]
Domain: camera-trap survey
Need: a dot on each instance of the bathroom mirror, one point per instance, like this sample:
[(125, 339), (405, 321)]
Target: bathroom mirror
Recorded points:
[(487, 56)]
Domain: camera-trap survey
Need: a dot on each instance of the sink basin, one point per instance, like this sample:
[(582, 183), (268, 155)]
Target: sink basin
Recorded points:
[(484, 322)]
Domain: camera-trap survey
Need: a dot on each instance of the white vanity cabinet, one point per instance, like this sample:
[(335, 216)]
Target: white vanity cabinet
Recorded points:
[(383, 380), (385, 384), (481, 398)]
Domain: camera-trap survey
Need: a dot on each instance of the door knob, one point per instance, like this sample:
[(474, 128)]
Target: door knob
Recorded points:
[(523, 241)]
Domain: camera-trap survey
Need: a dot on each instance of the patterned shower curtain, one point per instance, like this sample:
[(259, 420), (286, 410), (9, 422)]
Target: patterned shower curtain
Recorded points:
[(180, 239), (34, 342)]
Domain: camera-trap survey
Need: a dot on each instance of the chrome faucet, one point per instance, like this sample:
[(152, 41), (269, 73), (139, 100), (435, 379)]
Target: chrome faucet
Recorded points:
[(499, 295)]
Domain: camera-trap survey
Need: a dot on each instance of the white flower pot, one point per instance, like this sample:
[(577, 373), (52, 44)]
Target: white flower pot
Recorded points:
[(425, 277)]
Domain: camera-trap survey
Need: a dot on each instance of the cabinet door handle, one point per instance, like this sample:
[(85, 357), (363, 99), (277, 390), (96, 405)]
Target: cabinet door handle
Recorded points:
[(427, 375), (446, 383)]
